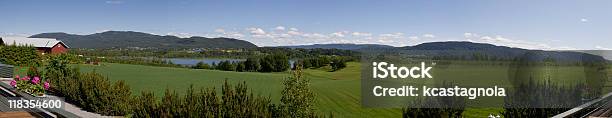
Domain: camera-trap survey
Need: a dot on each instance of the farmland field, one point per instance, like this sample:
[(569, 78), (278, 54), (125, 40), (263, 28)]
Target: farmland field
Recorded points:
[(337, 92)]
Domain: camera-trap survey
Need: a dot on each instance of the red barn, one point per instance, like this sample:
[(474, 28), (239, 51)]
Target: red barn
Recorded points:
[(43, 45)]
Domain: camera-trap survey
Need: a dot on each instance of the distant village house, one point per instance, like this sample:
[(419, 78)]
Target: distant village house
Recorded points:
[(43, 45)]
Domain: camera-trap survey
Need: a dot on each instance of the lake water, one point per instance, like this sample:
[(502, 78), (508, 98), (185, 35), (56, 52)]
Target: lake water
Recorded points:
[(209, 61)]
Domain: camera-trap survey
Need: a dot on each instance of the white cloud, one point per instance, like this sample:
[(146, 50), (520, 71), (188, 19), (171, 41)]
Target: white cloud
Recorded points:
[(261, 36), (284, 35), (219, 30), (602, 48), (429, 36), (256, 31), (180, 34), (232, 35), (393, 35), (469, 35), (279, 28), (413, 38), (566, 48), (338, 34), (316, 35), (291, 36), (361, 34), (5, 34), (294, 33), (237, 35), (114, 2), (394, 39), (584, 20), (499, 40), (503, 41)]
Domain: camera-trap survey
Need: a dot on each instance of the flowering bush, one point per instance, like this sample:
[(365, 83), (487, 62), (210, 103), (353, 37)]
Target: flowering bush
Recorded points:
[(30, 85)]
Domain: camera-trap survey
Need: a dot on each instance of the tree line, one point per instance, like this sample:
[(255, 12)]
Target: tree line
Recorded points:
[(138, 61), (212, 52), (334, 62), (277, 62)]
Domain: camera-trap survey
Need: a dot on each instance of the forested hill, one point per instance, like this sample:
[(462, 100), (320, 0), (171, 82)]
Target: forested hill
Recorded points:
[(462, 49), (124, 39), (483, 50)]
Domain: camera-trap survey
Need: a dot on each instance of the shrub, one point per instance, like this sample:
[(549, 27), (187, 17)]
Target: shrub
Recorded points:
[(120, 102), (91, 91), (94, 91), (19, 55), (238, 102), (33, 72), (67, 84), (235, 101), (145, 105)]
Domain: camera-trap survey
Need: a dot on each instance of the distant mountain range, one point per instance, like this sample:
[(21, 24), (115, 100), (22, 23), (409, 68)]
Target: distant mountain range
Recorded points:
[(124, 39), (448, 45), (468, 49), (462, 49), (339, 46)]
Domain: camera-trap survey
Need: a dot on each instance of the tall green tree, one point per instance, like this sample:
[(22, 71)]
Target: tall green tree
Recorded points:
[(337, 63), (252, 64), (201, 65), (297, 97), (277, 62)]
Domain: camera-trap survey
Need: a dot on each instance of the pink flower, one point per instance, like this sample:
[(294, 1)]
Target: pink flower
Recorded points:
[(36, 80), (26, 78), (47, 85), (17, 77), (13, 83)]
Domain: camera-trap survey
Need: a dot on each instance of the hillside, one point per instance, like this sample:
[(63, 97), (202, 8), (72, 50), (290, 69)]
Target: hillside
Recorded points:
[(124, 39), (463, 49), (468, 49)]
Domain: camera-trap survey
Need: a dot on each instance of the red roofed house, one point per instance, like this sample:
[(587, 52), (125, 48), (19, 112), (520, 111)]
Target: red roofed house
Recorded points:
[(43, 45)]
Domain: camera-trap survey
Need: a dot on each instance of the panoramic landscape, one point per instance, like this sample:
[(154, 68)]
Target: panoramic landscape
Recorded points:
[(288, 59)]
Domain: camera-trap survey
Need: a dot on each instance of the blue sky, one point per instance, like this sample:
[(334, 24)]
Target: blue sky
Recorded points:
[(526, 24)]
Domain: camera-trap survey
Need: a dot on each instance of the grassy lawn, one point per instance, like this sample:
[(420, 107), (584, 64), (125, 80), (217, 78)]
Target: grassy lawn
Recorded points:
[(337, 92)]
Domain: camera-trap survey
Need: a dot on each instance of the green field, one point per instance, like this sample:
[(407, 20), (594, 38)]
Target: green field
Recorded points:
[(337, 92)]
